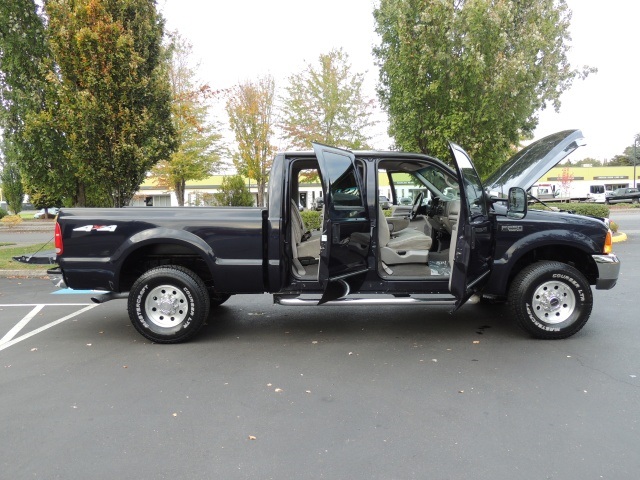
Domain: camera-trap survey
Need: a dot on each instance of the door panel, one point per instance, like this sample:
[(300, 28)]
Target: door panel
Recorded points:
[(474, 237), (346, 214)]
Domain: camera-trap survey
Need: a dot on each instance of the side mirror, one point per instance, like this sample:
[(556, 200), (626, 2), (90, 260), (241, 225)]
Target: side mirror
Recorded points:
[(517, 203)]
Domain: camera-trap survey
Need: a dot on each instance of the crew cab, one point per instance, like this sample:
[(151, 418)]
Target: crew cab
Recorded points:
[(176, 264), (622, 195)]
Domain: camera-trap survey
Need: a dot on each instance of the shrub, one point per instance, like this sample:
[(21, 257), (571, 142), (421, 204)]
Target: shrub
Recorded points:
[(613, 226), (311, 219), (588, 209), (3, 213), (11, 220)]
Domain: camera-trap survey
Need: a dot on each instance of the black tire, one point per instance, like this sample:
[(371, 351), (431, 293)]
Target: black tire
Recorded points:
[(634, 200), (550, 300), (168, 304), (218, 299)]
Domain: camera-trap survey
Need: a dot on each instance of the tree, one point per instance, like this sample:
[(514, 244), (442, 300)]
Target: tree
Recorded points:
[(111, 94), (198, 142), (24, 57), (234, 193), (250, 108), (12, 188), (566, 179), (620, 161), (326, 104), (590, 162), (472, 71)]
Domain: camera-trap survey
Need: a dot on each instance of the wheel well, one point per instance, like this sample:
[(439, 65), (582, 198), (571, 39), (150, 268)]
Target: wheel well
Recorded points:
[(578, 259), (150, 256)]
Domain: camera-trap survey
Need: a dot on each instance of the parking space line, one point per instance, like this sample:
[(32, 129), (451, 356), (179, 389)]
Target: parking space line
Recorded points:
[(21, 324), (45, 304), (45, 327)]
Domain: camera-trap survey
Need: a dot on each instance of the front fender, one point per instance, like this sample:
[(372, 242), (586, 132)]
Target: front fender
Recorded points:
[(504, 264)]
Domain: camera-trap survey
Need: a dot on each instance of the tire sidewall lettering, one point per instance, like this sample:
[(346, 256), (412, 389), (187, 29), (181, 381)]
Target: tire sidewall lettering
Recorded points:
[(139, 301)]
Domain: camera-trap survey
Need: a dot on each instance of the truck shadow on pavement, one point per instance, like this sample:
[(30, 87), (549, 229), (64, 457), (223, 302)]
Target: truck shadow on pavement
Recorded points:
[(473, 321)]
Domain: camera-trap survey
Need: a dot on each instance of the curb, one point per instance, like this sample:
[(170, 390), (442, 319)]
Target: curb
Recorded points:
[(23, 274), (619, 237)]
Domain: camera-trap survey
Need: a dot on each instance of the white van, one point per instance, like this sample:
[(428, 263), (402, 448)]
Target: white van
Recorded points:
[(596, 193)]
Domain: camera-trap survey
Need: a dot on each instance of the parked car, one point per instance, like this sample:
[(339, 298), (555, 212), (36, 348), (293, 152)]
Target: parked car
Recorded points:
[(384, 202), (622, 195), (318, 203), (405, 201), (52, 212)]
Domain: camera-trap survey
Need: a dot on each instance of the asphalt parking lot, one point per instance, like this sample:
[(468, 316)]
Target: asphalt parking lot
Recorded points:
[(266, 391)]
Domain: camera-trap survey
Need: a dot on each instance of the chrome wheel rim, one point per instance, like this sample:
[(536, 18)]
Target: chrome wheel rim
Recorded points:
[(166, 306), (553, 302)]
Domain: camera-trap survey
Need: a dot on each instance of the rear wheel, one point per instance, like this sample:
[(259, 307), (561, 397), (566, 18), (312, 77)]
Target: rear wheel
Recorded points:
[(168, 304), (550, 300)]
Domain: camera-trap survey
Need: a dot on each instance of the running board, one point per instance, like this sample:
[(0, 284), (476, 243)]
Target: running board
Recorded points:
[(307, 302)]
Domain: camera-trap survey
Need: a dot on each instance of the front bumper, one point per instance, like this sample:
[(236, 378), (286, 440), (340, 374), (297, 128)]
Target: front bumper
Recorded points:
[(608, 271)]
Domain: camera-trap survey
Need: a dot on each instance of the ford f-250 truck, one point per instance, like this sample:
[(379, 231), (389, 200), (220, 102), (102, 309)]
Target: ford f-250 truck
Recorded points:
[(175, 264)]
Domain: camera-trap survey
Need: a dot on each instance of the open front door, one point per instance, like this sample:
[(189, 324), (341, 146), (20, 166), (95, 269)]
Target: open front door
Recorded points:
[(343, 260), (473, 241)]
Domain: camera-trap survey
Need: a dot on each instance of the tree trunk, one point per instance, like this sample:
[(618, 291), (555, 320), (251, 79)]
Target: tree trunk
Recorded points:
[(179, 188)]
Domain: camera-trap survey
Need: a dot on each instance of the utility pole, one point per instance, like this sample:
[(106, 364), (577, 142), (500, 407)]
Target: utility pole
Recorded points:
[(635, 158)]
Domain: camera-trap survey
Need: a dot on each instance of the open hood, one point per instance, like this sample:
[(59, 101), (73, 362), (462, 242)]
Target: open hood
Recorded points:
[(529, 164)]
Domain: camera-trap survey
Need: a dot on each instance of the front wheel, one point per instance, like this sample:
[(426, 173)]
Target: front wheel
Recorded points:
[(550, 300), (168, 304)]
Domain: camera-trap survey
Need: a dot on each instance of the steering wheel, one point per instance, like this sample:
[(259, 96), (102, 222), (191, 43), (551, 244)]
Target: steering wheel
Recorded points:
[(416, 205)]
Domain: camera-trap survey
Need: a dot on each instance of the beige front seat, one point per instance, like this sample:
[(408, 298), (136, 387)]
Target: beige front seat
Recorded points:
[(406, 246)]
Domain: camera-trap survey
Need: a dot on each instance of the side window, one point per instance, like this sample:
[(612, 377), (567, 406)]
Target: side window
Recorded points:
[(347, 197)]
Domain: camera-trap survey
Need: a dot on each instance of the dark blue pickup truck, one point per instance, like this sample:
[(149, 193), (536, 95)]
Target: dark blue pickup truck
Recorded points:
[(458, 240)]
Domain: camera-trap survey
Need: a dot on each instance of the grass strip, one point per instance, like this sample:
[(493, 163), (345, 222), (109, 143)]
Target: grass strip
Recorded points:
[(8, 263)]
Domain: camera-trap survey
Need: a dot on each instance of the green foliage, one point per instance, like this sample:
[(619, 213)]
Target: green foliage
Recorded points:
[(250, 108), (613, 226), (198, 142), (591, 162), (588, 209), (107, 94), (620, 161), (3, 213), (325, 104), (311, 219), (234, 192), (12, 188), (475, 72)]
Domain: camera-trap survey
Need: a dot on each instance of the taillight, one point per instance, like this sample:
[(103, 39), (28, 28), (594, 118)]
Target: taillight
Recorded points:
[(608, 243), (58, 239)]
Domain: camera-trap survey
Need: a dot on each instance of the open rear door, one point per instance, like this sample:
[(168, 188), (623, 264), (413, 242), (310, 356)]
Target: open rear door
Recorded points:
[(473, 242), (343, 260)]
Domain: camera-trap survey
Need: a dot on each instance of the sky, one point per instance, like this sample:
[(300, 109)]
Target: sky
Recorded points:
[(240, 40)]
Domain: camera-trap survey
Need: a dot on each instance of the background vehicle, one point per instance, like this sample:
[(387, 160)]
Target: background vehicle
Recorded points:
[(51, 212), (384, 202), (317, 204), (623, 195), (175, 264)]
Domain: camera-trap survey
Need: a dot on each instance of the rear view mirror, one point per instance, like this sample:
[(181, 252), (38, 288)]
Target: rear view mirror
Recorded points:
[(517, 203)]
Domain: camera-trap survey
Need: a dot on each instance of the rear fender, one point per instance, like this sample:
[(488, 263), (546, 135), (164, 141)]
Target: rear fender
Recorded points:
[(160, 236)]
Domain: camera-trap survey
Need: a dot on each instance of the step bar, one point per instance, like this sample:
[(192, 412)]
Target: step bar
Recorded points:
[(340, 302)]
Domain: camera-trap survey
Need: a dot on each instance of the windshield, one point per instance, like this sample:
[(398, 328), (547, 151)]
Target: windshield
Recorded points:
[(439, 181)]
